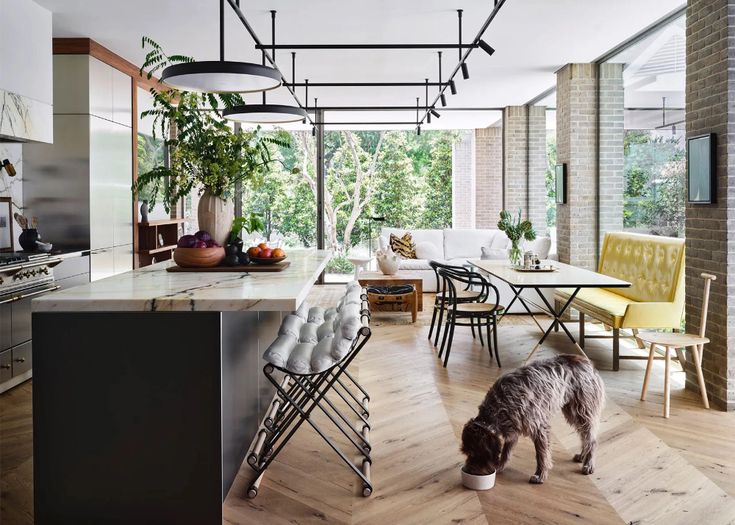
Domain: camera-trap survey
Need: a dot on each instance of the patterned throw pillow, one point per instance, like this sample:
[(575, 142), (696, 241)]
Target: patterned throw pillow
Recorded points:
[(403, 246)]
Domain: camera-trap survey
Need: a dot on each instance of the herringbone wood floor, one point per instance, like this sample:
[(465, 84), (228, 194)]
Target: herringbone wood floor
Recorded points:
[(650, 470)]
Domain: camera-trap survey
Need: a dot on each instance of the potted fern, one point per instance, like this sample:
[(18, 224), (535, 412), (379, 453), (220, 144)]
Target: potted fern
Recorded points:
[(517, 230), (205, 154)]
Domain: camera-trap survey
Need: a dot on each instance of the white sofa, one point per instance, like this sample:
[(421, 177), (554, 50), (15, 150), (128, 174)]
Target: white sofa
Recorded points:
[(456, 246)]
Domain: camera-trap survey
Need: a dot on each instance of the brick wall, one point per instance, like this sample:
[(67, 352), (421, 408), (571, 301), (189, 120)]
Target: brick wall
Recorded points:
[(488, 176), (515, 159), (536, 197), (576, 132), (611, 151), (463, 182), (710, 229)]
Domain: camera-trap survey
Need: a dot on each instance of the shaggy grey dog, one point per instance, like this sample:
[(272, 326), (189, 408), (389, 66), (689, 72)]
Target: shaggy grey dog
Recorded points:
[(522, 402)]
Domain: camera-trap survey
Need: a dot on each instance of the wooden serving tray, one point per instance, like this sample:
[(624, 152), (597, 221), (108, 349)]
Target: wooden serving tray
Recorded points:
[(543, 269), (276, 267)]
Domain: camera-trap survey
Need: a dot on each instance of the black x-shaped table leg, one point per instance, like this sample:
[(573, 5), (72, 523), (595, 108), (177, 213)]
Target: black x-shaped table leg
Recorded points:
[(557, 321)]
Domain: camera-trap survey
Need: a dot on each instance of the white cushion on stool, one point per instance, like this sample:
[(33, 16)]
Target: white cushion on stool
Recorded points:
[(313, 339)]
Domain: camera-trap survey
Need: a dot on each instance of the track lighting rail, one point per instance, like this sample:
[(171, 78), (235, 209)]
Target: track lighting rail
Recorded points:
[(235, 5), (368, 84), (366, 46)]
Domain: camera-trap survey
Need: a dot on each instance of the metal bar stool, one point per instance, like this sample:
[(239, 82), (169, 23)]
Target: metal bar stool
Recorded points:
[(307, 364), (480, 311), (466, 295)]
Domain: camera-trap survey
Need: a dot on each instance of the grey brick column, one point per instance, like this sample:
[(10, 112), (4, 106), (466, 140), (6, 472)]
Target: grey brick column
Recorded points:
[(576, 146), (611, 151), (515, 159), (488, 176), (524, 162), (710, 229), (463, 182), (536, 197)]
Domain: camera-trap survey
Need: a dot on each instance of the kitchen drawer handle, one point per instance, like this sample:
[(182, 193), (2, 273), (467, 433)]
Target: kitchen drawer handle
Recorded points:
[(20, 360), (45, 290), (5, 367)]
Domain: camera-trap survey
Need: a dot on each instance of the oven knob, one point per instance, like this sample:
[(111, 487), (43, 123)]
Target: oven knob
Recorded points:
[(43, 270), (17, 276), (2, 280), (33, 272)]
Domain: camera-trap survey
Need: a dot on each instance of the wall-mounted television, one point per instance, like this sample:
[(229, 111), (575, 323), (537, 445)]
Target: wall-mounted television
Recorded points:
[(701, 168)]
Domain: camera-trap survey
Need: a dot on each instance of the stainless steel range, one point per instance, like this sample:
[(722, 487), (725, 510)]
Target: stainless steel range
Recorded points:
[(22, 277)]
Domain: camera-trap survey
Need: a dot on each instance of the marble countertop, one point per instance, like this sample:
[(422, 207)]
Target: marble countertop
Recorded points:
[(153, 289)]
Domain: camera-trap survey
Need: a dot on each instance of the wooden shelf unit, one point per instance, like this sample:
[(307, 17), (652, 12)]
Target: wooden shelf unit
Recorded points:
[(150, 249)]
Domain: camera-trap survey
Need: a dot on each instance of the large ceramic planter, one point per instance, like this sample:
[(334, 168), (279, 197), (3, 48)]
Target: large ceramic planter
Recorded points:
[(215, 215)]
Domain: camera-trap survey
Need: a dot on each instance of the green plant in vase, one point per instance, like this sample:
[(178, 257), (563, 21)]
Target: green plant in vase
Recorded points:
[(205, 153), (517, 231)]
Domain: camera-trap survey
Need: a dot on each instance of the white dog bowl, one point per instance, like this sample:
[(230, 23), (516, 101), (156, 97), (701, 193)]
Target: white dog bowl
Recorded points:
[(471, 481)]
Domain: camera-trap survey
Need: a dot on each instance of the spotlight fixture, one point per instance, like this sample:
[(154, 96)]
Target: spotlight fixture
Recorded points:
[(428, 118), (418, 130), (465, 71), (313, 131), (9, 168), (443, 99), (452, 87), (485, 47), (434, 112), (265, 113), (221, 76)]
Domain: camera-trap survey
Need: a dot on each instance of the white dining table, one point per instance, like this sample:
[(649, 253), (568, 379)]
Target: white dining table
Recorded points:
[(562, 276)]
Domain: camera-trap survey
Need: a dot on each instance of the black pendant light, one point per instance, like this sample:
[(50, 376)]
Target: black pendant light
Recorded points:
[(265, 113), (221, 76)]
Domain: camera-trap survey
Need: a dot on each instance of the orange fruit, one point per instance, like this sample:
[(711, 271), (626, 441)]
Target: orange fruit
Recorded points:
[(254, 251), (278, 252), (263, 246), (266, 254)]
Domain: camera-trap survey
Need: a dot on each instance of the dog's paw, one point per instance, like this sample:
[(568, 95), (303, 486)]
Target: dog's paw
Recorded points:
[(578, 458), (536, 480), (588, 469)]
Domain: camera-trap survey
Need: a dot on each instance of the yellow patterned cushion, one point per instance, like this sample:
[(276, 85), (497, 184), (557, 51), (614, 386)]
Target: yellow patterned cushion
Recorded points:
[(403, 246)]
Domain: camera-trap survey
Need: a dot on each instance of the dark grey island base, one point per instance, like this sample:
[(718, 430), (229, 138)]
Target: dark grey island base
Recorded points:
[(144, 417), (148, 389)]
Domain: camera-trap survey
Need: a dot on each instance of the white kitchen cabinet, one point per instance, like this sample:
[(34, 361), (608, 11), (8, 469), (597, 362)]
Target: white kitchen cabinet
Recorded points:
[(26, 92)]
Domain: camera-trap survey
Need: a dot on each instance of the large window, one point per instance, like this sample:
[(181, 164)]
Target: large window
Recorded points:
[(654, 79)]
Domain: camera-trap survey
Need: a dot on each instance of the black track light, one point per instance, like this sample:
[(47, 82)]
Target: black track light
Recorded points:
[(418, 130), (452, 87), (313, 131), (434, 112), (443, 98), (428, 118), (486, 47), (465, 71)]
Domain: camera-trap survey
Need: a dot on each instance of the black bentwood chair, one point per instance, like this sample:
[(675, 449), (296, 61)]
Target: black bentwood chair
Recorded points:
[(480, 311), (463, 296)]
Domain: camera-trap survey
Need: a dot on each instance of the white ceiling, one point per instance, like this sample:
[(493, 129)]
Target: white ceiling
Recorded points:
[(532, 38)]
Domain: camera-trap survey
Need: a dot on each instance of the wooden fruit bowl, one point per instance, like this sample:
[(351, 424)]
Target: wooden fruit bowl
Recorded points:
[(199, 257), (269, 260)]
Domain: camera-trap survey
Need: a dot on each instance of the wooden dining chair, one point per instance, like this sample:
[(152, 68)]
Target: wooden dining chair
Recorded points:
[(675, 342), (483, 311), (463, 296)]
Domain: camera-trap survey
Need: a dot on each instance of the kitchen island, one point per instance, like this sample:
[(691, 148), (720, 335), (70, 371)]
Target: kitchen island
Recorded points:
[(148, 389)]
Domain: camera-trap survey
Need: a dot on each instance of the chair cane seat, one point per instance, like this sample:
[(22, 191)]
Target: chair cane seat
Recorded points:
[(471, 308), (672, 340), (462, 294)]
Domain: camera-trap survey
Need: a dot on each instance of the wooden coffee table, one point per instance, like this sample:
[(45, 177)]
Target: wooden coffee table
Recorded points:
[(379, 279)]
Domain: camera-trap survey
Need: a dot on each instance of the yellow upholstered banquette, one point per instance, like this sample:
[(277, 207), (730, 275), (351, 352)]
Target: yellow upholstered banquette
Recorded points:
[(655, 268)]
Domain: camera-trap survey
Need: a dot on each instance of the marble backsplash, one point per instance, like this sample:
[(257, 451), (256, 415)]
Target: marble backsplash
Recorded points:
[(13, 186)]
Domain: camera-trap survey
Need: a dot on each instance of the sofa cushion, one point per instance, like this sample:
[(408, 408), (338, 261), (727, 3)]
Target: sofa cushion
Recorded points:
[(653, 265), (604, 305), (429, 251), (493, 254), (435, 237), (468, 243), (540, 246), (403, 245), (414, 264)]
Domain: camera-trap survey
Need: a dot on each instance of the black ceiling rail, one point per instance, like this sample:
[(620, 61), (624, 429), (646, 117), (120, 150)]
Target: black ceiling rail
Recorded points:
[(399, 108), (235, 5), (387, 123), (460, 47), (498, 4), (368, 84)]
